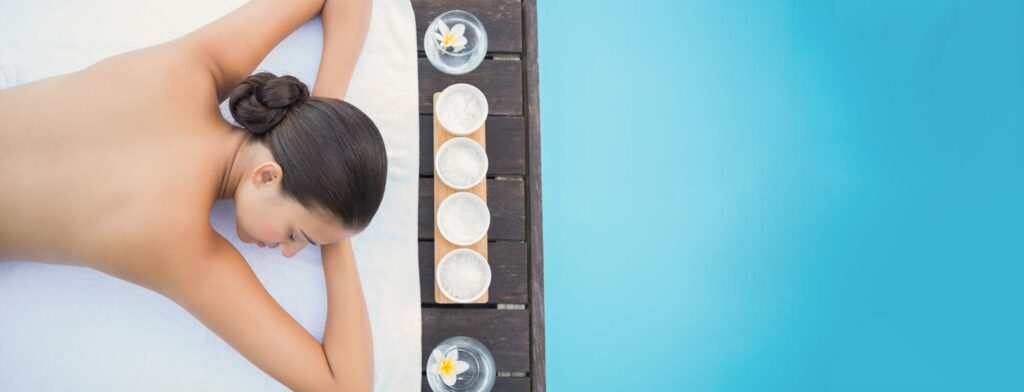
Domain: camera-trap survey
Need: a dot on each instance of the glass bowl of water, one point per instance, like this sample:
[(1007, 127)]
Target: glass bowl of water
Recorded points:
[(475, 375), (444, 45)]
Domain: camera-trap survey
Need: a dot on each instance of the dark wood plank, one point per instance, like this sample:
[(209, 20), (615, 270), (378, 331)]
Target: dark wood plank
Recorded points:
[(501, 384), (501, 18), (509, 283), (506, 146), (506, 333), (505, 199), (515, 337), (538, 366), (500, 80)]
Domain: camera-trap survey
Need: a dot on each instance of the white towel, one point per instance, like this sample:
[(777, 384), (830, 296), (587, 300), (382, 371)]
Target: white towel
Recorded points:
[(73, 328)]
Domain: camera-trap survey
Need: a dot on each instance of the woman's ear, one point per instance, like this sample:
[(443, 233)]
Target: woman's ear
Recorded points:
[(266, 174)]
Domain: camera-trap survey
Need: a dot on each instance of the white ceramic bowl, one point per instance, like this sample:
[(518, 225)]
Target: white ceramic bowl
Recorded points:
[(456, 145), (477, 259), (447, 112), (471, 208)]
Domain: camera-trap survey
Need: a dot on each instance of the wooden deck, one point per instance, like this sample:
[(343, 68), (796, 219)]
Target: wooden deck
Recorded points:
[(511, 324)]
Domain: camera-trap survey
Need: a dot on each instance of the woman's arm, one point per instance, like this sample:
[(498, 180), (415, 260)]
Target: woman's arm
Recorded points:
[(218, 288), (348, 340), (345, 25), (232, 46)]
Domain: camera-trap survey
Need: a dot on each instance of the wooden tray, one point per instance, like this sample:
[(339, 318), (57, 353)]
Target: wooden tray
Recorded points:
[(441, 191)]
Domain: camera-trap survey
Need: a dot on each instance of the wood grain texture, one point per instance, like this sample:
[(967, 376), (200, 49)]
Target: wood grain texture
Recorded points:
[(538, 366), (506, 146), (500, 80), (501, 384), (505, 198), (501, 18), (509, 283), (506, 333), (441, 191)]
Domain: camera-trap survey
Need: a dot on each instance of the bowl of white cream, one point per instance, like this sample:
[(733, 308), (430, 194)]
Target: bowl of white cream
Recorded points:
[(463, 275), (461, 109), (463, 218), (461, 163)]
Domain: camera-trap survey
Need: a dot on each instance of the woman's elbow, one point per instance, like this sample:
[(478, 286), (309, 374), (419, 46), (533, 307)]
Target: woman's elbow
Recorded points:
[(360, 383), (355, 378)]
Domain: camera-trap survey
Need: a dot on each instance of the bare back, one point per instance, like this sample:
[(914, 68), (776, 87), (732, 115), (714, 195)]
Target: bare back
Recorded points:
[(115, 167), (103, 165)]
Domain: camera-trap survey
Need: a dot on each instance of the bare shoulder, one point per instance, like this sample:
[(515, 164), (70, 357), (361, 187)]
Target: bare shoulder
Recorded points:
[(167, 75), (198, 70), (217, 287), (185, 253), (190, 268), (233, 45), (158, 256)]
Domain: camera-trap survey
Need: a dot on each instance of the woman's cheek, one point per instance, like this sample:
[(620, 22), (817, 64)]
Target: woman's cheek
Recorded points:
[(242, 228)]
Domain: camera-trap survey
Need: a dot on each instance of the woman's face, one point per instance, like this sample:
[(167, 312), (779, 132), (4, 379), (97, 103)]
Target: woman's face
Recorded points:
[(266, 217)]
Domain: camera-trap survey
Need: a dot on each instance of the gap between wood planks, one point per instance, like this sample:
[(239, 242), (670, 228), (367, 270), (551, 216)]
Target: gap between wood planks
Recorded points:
[(499, 374), (498, 177), (513, 374), (495, 56), (433, 305)]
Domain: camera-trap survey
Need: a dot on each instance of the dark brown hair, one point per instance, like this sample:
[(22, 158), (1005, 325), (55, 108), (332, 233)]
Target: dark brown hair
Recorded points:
[(332, 154)]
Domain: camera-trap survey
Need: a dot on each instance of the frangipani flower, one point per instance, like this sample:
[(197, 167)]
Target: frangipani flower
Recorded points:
[(453, 38), (450, 366)]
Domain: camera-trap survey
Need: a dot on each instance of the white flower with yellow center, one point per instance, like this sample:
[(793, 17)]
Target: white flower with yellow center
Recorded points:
[(453, 38), (450, 366)]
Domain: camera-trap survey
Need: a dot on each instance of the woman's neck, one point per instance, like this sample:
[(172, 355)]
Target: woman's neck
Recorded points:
[(237, 159)]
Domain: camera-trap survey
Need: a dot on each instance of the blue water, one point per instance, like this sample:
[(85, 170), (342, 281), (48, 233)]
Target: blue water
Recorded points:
[(818, 195)]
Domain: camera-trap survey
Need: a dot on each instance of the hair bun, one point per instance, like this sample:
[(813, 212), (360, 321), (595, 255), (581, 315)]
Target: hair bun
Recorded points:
[(262, 100)]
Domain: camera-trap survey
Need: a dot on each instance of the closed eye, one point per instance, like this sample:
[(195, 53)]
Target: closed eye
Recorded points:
[(306, 236)]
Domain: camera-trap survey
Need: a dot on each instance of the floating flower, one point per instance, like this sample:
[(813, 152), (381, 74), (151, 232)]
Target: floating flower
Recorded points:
[(450, 366), (453, 38)]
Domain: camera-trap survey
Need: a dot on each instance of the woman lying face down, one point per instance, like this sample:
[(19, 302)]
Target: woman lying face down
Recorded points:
[(130, 168), (312, 170)]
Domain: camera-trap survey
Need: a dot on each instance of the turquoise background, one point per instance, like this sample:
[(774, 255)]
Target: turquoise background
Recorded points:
[(814, 195)]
